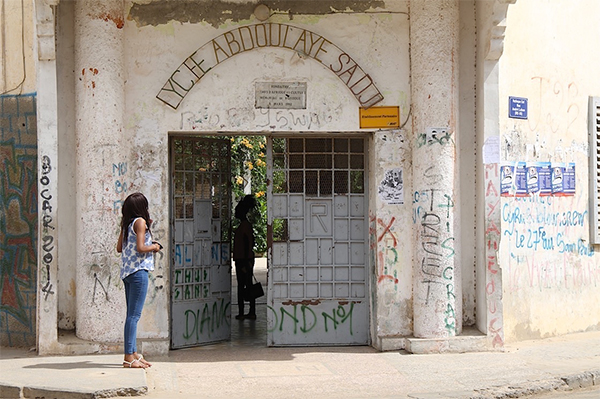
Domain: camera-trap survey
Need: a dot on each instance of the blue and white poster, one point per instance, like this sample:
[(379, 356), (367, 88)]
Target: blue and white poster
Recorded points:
[(521, 179), (563, 179), (569, 179), (539, 178), (507, 180), (558, 172), (533, 181)]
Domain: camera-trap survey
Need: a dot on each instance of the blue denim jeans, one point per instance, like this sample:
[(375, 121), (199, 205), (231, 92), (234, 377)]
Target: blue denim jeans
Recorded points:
[(136, 287)]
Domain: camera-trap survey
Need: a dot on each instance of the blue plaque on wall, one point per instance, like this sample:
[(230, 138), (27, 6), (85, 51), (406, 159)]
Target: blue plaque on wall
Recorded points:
[(517, 107)]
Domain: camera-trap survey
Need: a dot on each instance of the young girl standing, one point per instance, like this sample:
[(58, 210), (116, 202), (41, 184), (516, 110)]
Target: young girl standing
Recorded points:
[(137, 253)]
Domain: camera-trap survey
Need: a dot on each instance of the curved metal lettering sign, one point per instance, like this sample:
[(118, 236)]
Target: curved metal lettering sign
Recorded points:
[(246, 38)]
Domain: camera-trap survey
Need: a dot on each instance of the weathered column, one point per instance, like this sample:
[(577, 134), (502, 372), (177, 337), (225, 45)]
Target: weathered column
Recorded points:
[(491, 25), (434, 36), (100, 102), (47, 122)]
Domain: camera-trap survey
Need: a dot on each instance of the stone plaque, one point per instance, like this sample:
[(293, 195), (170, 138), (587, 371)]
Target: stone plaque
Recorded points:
[(286, 95)]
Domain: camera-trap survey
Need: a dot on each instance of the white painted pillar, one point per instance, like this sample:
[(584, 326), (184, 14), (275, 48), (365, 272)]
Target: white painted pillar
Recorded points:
[(491, 25), (100, 102), (47, 126), (437, 296)]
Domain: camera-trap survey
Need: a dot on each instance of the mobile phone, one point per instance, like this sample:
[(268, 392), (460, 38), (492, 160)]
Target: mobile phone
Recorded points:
[(159, 244)]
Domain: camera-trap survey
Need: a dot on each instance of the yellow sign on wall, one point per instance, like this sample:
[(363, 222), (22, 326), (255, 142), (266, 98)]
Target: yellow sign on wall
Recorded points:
[(379, 117)]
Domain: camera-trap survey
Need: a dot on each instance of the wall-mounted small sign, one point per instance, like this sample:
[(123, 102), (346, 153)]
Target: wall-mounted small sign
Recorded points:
[(285, 95), (379, 117), (517, 107)]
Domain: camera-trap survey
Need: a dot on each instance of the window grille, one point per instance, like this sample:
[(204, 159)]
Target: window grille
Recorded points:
[(594, 116)]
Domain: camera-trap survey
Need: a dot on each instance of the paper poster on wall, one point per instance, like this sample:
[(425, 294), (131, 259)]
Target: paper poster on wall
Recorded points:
[(558, 171), (545, 178), (513, 179), (521, 179), (563, 179), (507, 180), (539, 178), (491, 150), (569, 179), (391, 188)]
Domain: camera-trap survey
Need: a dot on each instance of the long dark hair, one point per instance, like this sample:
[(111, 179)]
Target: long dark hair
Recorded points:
[(135, 206), (244, 206)]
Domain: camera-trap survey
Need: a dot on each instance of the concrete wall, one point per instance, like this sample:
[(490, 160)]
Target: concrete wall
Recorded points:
[(491, 24), (467, 144), (110, 117), (18, 175), (550, 272), (17, 69), (66, 148), (222, 101)]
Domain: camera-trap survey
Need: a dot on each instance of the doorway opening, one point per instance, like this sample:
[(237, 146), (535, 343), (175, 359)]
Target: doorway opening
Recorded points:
[(311, 217)]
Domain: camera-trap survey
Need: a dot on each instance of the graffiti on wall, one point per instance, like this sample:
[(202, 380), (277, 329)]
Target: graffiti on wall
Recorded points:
[(18, 230), (119, 172), (206, 320), (556, 105), (541, 224), (100, 269), (432, 214), (493, 287), (303, 318), (291, 119), (384, 247), (547, 245), (48, 228)]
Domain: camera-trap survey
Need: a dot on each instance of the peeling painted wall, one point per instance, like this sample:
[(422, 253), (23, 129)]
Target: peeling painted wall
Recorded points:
[(219, 13), (120, 134), (157, 42), (117, 157), (390, 242), (550, 272)]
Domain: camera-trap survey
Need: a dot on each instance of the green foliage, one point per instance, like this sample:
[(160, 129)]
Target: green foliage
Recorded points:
[(248, 165)]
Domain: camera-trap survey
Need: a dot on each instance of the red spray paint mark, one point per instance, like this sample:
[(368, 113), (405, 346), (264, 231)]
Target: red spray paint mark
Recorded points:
[(118, 21)]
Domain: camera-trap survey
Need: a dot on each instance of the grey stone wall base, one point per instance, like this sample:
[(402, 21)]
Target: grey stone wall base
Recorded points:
[(10, 392), (154, 347), (470, 340), (32, 393), (69, 344), (459, 344), (567, 383)]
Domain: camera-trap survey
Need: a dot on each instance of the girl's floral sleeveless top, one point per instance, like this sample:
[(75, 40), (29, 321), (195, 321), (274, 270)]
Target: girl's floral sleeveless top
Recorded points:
[(132, 259)]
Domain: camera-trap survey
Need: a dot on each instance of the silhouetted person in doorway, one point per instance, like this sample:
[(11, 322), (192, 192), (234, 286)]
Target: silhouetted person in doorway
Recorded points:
[(243, 256)]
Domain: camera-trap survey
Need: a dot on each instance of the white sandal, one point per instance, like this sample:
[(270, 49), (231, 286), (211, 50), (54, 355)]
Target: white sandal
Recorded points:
[(143, 361), (130, 364)]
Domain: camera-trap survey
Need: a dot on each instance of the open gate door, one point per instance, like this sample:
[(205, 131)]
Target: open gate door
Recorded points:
[(201, 231), (318, 289)]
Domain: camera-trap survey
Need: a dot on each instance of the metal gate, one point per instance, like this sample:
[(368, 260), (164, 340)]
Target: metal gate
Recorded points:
[(318, 218), (200, 261)]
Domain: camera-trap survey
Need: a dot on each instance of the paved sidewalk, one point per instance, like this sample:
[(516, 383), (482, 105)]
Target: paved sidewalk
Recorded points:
[(245, 368)]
